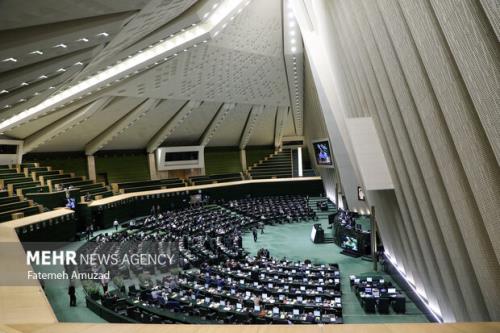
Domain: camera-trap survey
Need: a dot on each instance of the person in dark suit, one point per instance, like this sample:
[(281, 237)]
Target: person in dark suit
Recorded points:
[(254, 232), (310, 318), (72, 293)]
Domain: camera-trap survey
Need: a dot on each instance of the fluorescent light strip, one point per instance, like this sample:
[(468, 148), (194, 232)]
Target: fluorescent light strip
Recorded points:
[(436, 313), (220, 13)]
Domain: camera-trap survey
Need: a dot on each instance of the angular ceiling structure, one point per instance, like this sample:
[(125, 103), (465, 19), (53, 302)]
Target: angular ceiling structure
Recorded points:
[(144, 74)]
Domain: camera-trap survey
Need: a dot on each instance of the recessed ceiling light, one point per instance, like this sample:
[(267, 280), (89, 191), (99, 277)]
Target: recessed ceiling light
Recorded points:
[(79, 63), (4, 91), (60, 70), (10, 60), (41, 77), (38, 52), (85, 40), (103, 34), (293, 49), (24, 84), (62, 45)]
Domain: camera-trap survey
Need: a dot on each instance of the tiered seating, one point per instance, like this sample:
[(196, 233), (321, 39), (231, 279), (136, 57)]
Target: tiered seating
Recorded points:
[(277, 165), (57, 180), (258, 291), (277, 209), (147, 185), (213, 179), (229, 285), (11, 206)]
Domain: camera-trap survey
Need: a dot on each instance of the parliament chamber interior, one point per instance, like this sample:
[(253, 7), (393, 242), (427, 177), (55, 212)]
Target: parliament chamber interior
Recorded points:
[(217, 165)]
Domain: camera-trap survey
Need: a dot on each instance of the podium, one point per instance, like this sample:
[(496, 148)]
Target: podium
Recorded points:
[(317, 234)]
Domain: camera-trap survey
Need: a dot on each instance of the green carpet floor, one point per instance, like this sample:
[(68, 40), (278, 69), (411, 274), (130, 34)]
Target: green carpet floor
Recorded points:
[(289, 240), (293, 242)]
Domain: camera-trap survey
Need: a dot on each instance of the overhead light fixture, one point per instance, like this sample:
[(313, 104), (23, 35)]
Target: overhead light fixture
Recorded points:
[(85, 40), (10, 60), (224, 10), (102, 34), (4, 92), (62, 45), (38, 52), (41, 77), (24, 84)]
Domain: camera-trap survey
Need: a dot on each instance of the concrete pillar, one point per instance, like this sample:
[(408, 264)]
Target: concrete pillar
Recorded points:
[(299, 161), (243, 159), (91, 167), (374, 238), (337, 194), (153, 174)]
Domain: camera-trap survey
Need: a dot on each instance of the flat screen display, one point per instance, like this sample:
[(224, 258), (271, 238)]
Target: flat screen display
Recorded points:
[(350, 243), (322, 153), (181, 156)]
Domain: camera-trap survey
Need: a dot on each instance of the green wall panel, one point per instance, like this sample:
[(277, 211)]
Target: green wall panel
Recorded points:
[(255, 154), (67, 161), (222, 160), (122, 166)]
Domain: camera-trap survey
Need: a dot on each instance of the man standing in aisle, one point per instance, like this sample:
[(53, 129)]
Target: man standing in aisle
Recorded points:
[(254, 232)]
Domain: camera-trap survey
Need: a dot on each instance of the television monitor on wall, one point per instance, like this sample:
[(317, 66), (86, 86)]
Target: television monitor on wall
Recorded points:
[(322, 153)]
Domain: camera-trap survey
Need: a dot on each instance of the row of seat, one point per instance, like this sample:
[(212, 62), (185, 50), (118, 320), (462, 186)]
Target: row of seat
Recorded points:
[(147, 185), (376, 294), (277, 165), (217, 178), (11, 205), (35, 182)]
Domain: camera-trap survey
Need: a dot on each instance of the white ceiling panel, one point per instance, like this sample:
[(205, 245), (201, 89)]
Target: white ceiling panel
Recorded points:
[(190, 130), (263, 132), (138, 135), (229, 133), (15, 14), (76, 138)]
